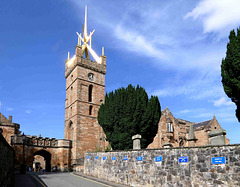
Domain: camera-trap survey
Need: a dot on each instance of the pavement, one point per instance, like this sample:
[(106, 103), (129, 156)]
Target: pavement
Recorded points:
[(58, 179), (28, 180)]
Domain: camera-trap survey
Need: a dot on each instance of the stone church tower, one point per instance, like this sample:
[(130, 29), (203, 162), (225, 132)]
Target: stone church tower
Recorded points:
[(85, 91)]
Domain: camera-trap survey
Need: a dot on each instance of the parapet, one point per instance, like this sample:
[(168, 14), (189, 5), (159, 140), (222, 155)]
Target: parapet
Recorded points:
[(40, 141)]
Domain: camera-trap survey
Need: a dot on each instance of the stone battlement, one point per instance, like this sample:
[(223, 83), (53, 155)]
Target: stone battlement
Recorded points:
[(40, 141), (79, 60)]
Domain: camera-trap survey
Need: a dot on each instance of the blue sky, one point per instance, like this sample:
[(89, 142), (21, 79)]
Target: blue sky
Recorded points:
[(171, 48)]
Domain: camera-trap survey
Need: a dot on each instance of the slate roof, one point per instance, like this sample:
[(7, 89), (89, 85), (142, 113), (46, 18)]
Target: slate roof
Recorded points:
[(201, 124)]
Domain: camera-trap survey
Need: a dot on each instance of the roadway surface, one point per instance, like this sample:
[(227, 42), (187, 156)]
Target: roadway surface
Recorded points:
[(67, 179)]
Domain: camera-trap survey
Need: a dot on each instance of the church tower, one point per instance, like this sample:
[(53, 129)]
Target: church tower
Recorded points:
[(85, 91)]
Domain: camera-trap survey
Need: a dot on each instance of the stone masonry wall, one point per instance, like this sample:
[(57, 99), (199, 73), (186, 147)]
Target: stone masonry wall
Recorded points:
[(198, 171), (6, 163)]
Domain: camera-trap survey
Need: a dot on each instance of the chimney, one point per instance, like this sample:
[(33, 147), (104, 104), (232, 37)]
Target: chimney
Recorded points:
[(10, 118)]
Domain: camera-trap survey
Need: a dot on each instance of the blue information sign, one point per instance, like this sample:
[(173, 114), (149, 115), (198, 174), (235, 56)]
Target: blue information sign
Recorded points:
[(139, 158), (218, 160), (183, 159), (158, 158), (96, 157), (88, 157), (125, 158), (113, 158), (104, 158)]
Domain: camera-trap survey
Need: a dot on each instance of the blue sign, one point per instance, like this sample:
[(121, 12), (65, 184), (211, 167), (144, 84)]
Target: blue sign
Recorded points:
[(218, 160), (183, 159), (96, 157), (88, 157), (158, 158), (139, 158), (104, 158), (113, 158), (125, 158)]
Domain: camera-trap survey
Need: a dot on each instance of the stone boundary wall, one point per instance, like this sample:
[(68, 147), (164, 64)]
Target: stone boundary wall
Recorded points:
[(6, 163), (139, 168)]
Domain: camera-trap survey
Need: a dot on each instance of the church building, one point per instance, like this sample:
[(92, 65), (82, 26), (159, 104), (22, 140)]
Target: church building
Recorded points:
[(173, 132)]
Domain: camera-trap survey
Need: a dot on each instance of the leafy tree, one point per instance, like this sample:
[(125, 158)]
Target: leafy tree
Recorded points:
[(231, 70), (127, 112)]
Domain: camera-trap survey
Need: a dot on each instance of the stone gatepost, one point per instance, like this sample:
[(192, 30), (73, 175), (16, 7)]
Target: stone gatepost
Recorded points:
[(136, 141), (217, 137)]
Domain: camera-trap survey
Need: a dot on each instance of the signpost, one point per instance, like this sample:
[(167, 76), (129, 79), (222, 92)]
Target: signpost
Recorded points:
[(182, 159), (218, 160), (158, 158), (113, 158), (139, 158), (125, 158), (96, 157), (104, 158)]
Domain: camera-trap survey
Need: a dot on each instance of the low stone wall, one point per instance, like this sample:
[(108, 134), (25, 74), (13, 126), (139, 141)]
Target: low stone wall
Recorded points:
[(6, 163), (163, 167)]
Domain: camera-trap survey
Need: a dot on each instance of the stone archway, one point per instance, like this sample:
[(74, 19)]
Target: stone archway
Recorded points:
[(47, 158)]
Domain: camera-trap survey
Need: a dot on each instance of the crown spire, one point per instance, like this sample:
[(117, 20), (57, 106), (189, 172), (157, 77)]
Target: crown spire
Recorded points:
[(87, 39)]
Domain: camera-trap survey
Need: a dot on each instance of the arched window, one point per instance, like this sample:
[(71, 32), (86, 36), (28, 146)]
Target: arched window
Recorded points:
[(90, 110), (90, 88)]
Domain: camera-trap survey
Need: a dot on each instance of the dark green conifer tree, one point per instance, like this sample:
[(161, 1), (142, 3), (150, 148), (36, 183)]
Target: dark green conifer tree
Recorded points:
[(230, 70), (127, 112)]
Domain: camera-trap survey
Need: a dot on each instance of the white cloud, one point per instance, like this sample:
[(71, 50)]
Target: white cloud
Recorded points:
[(138, 43), (205, 87), (28, 111), (218, 16), (9, 109), (222, 101), (184, 111)]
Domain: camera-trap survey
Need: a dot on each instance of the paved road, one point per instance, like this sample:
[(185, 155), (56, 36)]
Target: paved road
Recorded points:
[(68, 180)]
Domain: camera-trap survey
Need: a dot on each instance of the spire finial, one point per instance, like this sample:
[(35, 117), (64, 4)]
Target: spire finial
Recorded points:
[(102, 51)]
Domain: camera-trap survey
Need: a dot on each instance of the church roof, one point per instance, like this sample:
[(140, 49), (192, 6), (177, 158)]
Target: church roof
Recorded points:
[(201, 124)]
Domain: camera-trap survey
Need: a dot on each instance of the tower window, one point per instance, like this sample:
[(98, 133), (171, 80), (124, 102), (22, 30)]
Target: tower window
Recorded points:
[(90, 110), (71, 77), (90, 88)]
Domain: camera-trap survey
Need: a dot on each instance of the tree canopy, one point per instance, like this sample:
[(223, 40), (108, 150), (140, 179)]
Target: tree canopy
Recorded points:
[(127, 112), (230, 70)]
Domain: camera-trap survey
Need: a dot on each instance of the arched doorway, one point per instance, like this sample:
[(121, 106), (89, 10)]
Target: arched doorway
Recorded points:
[(44, 156)]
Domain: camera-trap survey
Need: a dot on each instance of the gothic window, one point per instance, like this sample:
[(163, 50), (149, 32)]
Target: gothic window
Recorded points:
[(169, 127), (90, 110), (90, 88)]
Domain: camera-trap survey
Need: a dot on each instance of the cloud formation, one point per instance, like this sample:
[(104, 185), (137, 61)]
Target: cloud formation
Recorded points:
[(138, 43), (219, 16), (196, 88), (28, 111), (222, 102), (9, 109)]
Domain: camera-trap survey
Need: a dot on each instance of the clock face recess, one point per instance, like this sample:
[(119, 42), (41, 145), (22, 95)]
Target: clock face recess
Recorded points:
[(90, 76)]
